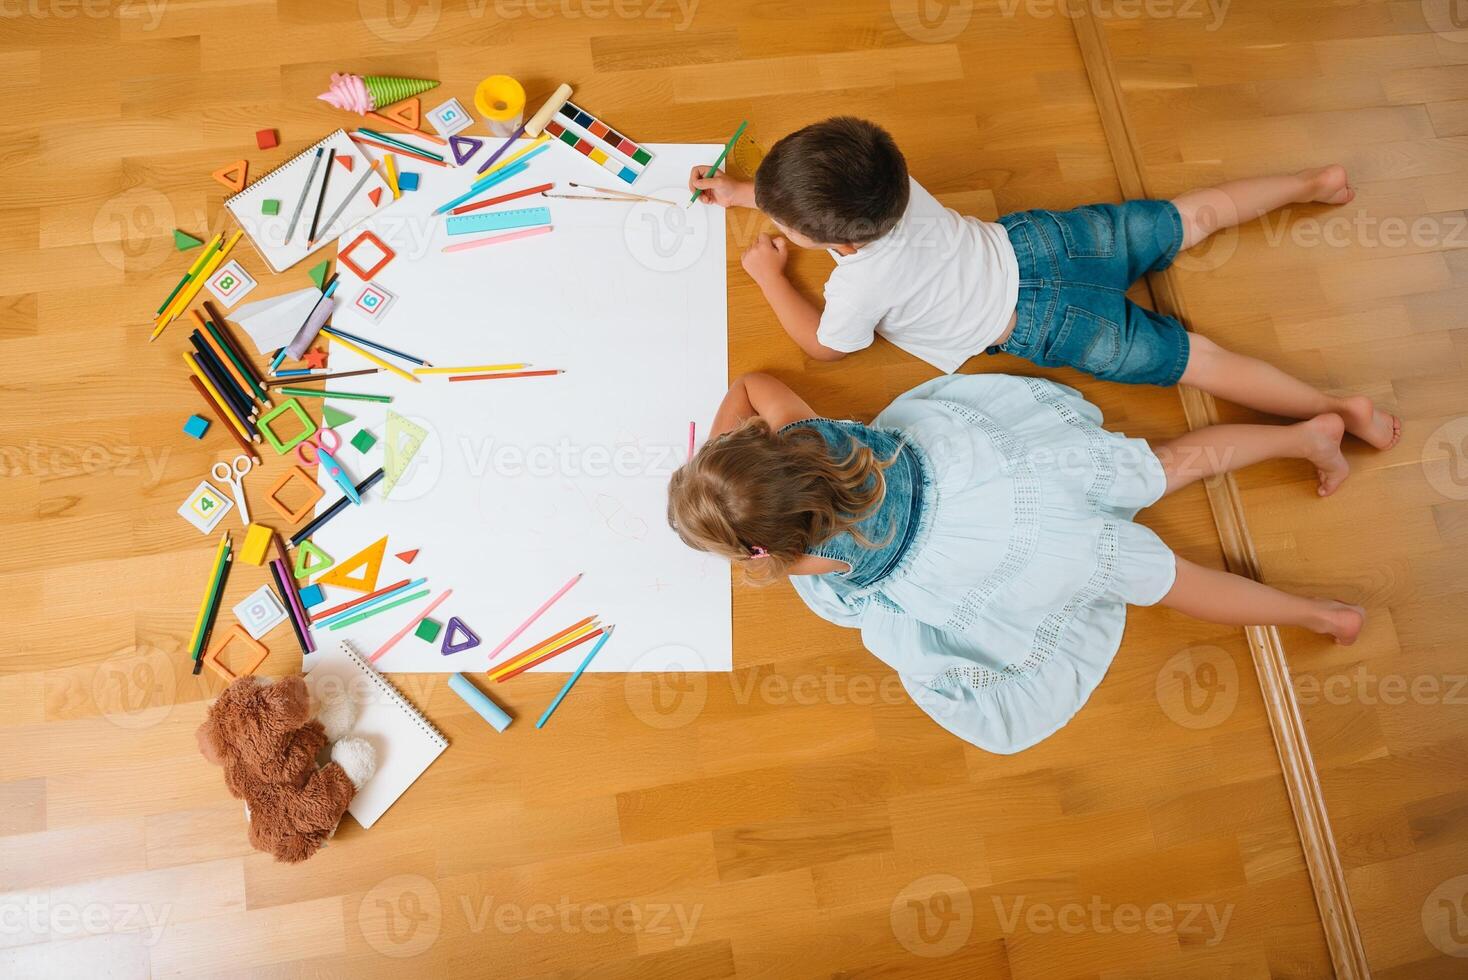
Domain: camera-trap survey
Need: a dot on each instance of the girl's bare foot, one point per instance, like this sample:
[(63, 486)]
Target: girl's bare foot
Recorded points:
[(1341, 620), (1329, 185), (1370, 424), (1323, 436)]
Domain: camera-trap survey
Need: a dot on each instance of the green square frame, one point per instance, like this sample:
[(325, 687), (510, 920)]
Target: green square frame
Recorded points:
[(308, 426)]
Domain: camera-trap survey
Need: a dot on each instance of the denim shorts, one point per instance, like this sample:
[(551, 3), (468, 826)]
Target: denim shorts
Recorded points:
[(1074, 270)]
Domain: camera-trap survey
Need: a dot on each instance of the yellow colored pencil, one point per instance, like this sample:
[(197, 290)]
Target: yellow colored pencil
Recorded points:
[(542, 647), (369, 355), (502, 164), (186, 297), (471, 369), (214, 394), (391, 163), (208, 590)]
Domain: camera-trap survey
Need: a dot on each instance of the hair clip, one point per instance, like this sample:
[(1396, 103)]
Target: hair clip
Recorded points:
[(758, 552)]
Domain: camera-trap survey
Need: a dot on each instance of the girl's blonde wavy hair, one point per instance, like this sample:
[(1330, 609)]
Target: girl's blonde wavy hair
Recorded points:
[(763, 498)]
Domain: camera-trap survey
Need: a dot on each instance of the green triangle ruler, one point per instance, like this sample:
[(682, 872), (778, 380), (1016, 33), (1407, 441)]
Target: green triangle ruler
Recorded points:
[(403, 441)]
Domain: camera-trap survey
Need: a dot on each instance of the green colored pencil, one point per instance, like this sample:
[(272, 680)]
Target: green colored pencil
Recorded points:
[(193, 270), (398, 143), (216, 591), (373, 612), (245, 372), (348, 395), (727, 147)]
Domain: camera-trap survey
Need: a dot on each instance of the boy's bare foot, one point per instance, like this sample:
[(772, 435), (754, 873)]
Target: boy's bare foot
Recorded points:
[(1370, 424), (1329, 185), (1341, 620), (1323, 436)]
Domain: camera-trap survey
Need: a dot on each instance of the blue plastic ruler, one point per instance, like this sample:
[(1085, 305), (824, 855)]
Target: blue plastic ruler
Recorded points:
[(468, 224)]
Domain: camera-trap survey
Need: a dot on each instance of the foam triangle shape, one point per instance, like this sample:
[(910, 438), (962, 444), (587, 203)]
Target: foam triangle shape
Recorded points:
[(346, 162), (407, 556), (375, 196), (232, 175), (183, 241), (368, 561), (464, 147), (467, 638), (408, 112), (305, 566), (334, 417), (318, 274)]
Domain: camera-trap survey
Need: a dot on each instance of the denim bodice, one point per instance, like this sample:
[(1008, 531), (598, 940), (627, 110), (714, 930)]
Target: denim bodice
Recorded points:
[(892, 526)]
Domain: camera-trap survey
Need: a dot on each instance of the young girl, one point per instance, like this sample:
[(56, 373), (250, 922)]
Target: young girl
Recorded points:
[(979, 534)]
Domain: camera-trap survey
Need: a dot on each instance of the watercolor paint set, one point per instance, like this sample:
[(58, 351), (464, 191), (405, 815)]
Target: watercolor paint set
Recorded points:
[(606, 147)]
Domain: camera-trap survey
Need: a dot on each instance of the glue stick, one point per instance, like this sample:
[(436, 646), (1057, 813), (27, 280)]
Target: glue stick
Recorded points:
[(480, 702)]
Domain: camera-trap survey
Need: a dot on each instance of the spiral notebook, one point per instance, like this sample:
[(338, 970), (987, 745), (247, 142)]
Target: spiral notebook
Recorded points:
[(348, 191), (406, 742)]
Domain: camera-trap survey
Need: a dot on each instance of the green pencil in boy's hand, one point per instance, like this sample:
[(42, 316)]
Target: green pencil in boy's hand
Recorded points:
[(719, 162)]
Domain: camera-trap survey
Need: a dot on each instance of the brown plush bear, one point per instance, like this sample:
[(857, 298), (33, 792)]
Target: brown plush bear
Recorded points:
[(263, 734)]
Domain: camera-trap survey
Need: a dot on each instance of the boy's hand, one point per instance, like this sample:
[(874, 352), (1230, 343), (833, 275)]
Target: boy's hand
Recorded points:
[(720, 188), (765, 259)]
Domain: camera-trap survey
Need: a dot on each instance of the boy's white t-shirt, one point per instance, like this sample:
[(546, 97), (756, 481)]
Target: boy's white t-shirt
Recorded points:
[(940, 285)]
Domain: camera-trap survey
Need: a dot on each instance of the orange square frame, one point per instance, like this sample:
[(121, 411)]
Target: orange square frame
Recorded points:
[(316, 493), (237, 634)]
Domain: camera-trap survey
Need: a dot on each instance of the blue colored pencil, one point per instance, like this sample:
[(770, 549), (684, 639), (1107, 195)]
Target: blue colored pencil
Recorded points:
[(489, 180), (339, 332), (348, 613), (572, 679)]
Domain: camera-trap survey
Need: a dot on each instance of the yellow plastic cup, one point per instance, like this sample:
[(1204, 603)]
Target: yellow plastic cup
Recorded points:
[(501, 101)]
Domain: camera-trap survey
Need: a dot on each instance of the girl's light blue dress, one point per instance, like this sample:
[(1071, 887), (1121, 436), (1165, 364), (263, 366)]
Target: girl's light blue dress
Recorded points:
[(1005, 552)]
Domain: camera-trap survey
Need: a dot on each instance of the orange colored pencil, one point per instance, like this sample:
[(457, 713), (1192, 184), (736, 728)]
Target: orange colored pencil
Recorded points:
[(507, 374), (359, 600), (546, 656), (535, 648)]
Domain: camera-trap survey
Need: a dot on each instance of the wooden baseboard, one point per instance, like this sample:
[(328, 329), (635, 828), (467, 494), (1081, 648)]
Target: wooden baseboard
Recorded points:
[(1338, 919)]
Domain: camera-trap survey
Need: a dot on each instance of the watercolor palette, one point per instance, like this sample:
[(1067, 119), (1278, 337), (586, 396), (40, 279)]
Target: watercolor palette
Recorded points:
[(606, 147)]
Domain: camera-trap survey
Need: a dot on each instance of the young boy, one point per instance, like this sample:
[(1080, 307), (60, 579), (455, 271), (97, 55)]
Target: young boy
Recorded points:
[(1048, 286)]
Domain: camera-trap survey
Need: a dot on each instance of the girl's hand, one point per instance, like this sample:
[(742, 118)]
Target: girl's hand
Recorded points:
[(766, 258), (721, 189)]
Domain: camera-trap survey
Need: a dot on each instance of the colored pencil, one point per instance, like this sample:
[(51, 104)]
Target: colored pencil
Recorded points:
[(499, 152), (367, 174), (224, 423), (608, 197), (198, 372), (223, 380), (390, 149), (276, 382), (397, 143), (290, 232), (194, 267), (213, 612), (509, 374), (487, 181), (472, 367), (393, 640), (364, 352), (508, 236), (378, 609), (289, 602), (335, 508), (534, 650), (722, 154), (321, 195), (543, 652), (242, 370), (405, 129), (183, 299), (220, 328), (345, 395), (208, 590), (370, 603), (317, 617), (390, 164), (517, 671), (489, 165), (540, 611), (616, 193), (692, 431), (292, 372), (522, 153), (513, 195), (339, 332), (571, 681)]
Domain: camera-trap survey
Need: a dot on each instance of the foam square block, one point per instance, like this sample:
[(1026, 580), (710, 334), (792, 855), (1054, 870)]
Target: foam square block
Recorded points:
[(266, 139), (311, 595), (363, 441), (257, 540), (428, 630), (407, 181), (270, 206), (196, 426)]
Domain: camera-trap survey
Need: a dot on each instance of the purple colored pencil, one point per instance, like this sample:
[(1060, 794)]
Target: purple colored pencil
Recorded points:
[(293, 601)]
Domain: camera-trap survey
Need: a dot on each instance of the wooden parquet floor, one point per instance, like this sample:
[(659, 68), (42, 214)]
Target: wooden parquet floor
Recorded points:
[(797, 817)]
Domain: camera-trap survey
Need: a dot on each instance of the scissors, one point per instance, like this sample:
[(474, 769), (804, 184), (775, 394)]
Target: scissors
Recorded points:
[(233, 473), (323, 445)]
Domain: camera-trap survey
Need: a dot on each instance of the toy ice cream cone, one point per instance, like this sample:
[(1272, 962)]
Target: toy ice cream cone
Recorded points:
[(362, 94)]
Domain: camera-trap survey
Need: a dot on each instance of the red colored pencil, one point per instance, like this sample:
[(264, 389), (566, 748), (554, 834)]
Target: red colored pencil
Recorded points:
[(546, 656), (507, 374), (358, 601), (537, 189)]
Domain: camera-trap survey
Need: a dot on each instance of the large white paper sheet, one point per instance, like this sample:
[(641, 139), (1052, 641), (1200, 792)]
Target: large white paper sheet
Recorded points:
[(523, 483)]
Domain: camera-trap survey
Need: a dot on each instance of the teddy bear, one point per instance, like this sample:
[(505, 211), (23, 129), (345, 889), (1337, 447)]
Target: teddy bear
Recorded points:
[(262, 732)]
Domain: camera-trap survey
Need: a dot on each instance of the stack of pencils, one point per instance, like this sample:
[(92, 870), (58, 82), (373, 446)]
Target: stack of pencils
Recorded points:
[(226, 379), (209, 606)]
